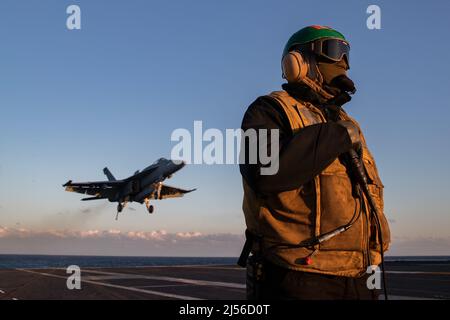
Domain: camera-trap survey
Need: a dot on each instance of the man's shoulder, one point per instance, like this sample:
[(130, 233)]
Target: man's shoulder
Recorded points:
[(346, 116), (270, 102), (264, 110), (263, 104)]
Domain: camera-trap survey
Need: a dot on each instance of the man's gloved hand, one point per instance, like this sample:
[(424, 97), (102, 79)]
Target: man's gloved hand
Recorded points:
[(353, 133)]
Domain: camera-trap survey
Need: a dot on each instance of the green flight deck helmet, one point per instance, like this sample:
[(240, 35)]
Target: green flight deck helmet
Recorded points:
[(313, 33), (310, 47)]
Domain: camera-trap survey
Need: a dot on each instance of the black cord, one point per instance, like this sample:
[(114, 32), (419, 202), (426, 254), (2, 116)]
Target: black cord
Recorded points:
[(332, 110), (361, 177), (380, 236)]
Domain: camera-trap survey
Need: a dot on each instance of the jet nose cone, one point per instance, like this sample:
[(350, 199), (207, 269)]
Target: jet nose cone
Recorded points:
[(178, 164)]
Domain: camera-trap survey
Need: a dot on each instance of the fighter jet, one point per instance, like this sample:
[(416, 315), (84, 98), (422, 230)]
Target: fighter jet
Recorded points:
[(140, 187)]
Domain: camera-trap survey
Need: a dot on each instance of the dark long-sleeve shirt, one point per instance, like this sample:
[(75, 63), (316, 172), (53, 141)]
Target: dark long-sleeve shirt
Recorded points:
[(302, 155)]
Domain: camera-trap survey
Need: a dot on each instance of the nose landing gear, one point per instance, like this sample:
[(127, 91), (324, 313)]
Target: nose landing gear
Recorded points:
[(120, 207), (150, 208)]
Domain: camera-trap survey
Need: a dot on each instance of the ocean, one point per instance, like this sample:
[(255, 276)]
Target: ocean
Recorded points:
[(9, 261)]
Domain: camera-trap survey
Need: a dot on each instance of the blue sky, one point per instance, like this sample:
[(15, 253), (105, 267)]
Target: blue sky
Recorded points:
[(110, 95)]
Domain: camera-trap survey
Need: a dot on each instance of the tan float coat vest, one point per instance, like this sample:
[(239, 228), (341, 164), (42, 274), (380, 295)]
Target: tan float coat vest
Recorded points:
[(289, 218)]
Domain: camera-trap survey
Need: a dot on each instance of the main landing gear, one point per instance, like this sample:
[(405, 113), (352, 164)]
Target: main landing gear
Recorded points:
[(158, 191)]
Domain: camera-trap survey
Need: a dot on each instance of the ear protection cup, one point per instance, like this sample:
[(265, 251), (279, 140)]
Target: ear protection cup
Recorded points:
[(294, 67)]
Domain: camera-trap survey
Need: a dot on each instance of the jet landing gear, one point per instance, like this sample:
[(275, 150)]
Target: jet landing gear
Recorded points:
[(120, 207), (150, 208), (158, 191)]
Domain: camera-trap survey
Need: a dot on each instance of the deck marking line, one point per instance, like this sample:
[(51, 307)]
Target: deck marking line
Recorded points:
[(157, 293), (437, 273), (181, 280)]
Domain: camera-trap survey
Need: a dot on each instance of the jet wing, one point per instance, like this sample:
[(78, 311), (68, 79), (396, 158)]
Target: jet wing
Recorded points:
[(173, 192), (99, 189), (93, 183)]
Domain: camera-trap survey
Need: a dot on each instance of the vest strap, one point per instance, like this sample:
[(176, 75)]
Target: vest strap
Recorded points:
[(250, 239)]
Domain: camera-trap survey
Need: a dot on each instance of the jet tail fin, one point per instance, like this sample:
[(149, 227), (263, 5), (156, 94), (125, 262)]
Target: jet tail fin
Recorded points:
[(109, 174)]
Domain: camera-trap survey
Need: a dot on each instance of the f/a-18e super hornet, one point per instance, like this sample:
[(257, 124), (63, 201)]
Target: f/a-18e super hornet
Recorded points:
[(140, 187)]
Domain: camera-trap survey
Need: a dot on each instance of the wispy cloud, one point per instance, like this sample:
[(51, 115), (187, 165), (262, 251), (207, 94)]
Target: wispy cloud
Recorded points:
[(159, 235), (117, 242)]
